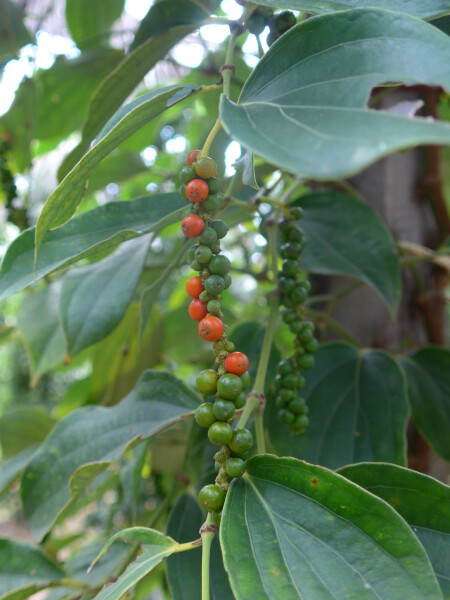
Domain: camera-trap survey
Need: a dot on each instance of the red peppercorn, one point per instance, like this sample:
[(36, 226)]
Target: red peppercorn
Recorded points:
[(197, 310), (194, 286), (192, 226), (192, 157), (197, 190), (236, 363), (210, 329)]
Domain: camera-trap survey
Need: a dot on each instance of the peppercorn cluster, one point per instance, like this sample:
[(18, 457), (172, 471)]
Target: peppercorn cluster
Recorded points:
[(263, 17), (230, 377), (292, 408)]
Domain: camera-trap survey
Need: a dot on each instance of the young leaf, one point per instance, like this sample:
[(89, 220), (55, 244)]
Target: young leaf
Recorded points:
[(422, 501), (40, 330), (304, 107), (98, 229), (94, 299), (65, 199), (357, 410), (24, 570), (428, 376), (90, 21), (345, 236), (98, 436), (292, 530), (425, 9)]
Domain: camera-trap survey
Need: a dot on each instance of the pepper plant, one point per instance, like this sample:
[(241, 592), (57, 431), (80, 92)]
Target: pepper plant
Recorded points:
[(199, 425)]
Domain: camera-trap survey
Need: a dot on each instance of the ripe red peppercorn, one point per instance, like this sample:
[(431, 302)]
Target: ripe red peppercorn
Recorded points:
[(236, 363), (210, 329), (192, 157), (197, 190), (192, 226), (197, 310), (194, 286)]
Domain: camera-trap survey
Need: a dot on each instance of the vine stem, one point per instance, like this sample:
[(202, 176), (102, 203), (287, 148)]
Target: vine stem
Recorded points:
[(207, 531)]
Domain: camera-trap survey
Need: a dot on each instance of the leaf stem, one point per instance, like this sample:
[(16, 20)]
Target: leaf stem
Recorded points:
[(207, 531), (188, 546), (209, 140)]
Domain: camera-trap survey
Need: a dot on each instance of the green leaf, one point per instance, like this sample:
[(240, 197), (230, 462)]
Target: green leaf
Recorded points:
[(304, 107), (11, 468), (24, 570), (89, 22), (65, 199), (155, 547), (94, 299), (428, 376), (425, 9), (13, 34), (422, 501), (346, 237), (357, 410), (115, 168), (39, 328), (131, 477), (292, 530), (184, 568), (22, 427), (108, 566), (116, 88), (95, 436), (98, 229), (166, 14), (245, 165)]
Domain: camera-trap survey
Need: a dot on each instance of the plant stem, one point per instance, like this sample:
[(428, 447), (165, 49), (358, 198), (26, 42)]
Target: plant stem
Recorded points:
[(208, 531), (209, 140), (227, 73)]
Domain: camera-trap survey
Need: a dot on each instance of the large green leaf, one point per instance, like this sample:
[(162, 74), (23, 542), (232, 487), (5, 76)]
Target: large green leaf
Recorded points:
[(40, 330), (95, 436), (345, 236), (13, 34), (22, 427), (90, 21), (292, 530), (155, 547), (94, 299), (428, 376), (425, 9), (357, 410), (184, 569), (421, 500), (304, 107), (11, 468), (97, 229), (117, 87), (65, 199), (24, 570)]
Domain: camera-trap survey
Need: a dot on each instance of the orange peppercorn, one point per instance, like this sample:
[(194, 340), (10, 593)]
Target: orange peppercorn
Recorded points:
[(236, 363), (210, 329), (197, 190), (192, 226), (194, 286), (197, 310), (192, 157)]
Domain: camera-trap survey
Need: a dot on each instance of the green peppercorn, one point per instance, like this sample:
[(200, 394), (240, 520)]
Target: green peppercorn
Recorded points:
[(223, 409), (204, 415), (241, 441), (187, 174), (220, 227), (219, 265), (220, 433), (208, 236), (203, 254), (229, 386), (211, 497), (235, 467)]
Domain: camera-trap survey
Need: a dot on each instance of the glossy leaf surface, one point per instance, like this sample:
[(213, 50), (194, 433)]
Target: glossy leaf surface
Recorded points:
[(98, 229), (292, 530), (94, 299), (422, 501), (357, 410), (98, 435), (428, 376), (345, 236), (303, 108)]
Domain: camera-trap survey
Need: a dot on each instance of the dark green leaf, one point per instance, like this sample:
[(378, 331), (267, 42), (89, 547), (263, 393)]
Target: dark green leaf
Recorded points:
[(357, 410), (184, 569), (94, 299), (90, 21), (131, 477), (23, 427), (24, 570), (428, 376), (422, 501), (108, 566), (292, 530), (98, 435), (40, 330), (98, 229), (13, 33), (116, 88), (304, 107), (425, 9), (11, 469), (155, 547), (345, 236)]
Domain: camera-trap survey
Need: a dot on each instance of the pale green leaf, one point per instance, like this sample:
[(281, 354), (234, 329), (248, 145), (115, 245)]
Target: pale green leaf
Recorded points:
[(90, 21)]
